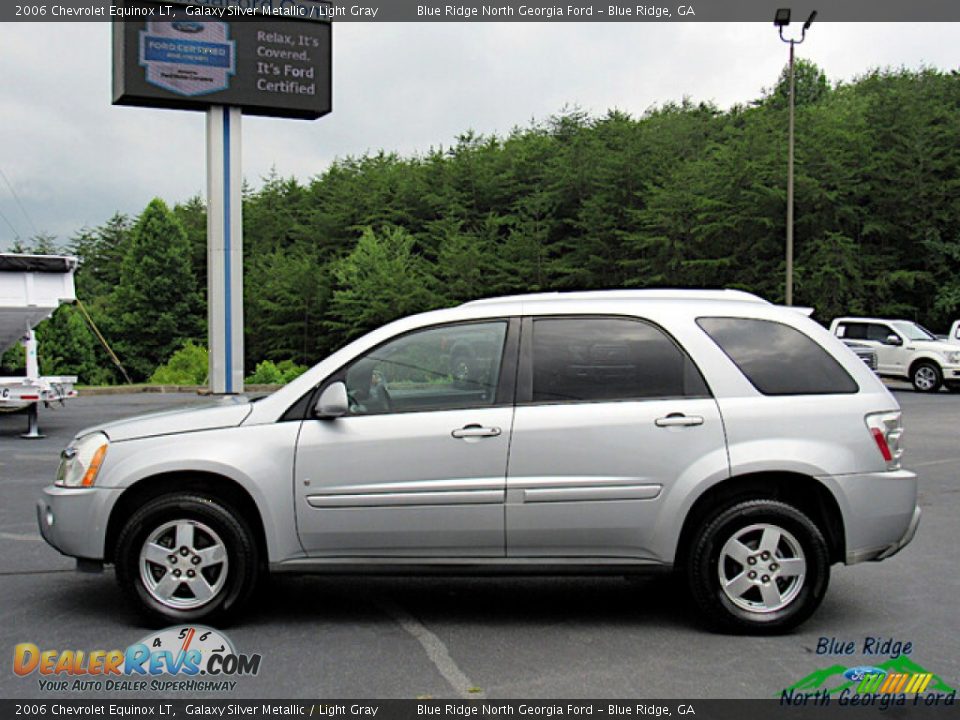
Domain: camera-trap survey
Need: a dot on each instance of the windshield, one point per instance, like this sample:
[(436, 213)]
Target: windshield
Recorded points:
[(912, 331)]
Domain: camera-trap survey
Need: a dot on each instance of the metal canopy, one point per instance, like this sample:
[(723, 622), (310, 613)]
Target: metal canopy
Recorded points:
[(31, 288)]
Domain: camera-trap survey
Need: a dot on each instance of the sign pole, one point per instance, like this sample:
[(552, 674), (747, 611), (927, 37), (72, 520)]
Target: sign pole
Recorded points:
[(224, 250), (275, 67)]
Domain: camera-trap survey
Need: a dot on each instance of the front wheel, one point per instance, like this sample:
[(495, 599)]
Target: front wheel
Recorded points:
[(926, 377), (187, 557), (759, 566)]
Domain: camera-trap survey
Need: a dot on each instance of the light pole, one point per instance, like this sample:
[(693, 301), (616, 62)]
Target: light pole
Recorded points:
[(781, 19)]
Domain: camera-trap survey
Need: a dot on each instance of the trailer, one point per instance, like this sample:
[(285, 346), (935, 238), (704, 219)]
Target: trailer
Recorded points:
[(31, 288)]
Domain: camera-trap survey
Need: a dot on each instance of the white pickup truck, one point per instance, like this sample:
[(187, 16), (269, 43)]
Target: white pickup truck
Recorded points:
[(906, 350)]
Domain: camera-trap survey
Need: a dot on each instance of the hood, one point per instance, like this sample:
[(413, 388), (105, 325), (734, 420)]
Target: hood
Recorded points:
[(937, 346), (227, 412)]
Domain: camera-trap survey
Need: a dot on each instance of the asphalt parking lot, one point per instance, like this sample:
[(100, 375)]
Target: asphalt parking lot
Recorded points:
[(341, 637)]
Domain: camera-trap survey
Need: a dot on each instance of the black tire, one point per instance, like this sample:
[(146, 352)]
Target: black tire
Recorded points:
[(926, 377), (242, 567), (703, 569)]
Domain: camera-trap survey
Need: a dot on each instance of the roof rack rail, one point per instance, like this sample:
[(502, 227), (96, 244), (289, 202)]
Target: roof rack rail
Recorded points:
[(627, 294)]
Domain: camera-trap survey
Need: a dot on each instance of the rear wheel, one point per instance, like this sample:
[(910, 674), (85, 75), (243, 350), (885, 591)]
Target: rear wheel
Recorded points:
[(926, 377), (183, 558), (759, 566)]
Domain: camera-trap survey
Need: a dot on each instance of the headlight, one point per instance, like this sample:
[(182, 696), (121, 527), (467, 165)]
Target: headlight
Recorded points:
[(953, 358), (80, 462)]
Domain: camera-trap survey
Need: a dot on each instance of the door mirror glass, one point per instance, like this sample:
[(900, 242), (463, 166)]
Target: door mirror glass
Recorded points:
[(333, 402), (893, 340)]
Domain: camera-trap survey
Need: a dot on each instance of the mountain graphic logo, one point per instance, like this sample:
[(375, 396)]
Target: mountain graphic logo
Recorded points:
[(899, 674)]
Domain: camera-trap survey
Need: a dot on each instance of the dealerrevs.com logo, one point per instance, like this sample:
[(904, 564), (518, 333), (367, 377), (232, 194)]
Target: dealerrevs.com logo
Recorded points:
[(188, 658)]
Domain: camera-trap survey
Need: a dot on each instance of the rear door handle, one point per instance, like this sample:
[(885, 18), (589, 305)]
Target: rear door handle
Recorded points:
[(475, 431), (678, 420)]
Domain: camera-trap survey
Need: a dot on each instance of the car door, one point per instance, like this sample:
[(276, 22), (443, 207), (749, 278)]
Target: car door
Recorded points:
[(417, 467), (891, 359), (611, 415)]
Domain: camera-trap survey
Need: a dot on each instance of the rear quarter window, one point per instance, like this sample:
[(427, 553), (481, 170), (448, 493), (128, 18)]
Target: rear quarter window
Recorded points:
[(778, 359)]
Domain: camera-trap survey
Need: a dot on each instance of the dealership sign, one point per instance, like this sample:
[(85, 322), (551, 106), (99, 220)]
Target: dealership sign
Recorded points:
[(228, 58), (268, 66)]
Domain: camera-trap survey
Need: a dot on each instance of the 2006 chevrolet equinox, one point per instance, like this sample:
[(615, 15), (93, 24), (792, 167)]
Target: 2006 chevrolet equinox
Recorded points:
[(711, 432)]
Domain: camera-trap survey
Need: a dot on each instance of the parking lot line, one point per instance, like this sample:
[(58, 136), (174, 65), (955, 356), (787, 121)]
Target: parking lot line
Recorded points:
[(435, 648)]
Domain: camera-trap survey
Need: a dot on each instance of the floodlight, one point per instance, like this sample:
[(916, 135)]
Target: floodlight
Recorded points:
[(782, 18), (809, 22)]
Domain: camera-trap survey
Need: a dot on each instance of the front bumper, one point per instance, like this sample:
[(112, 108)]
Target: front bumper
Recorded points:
[(950, 372), (880, 512), (74, 520)]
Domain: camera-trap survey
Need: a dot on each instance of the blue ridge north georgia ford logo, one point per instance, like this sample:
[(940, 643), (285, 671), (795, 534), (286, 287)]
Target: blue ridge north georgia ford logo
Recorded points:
[(188, 58)]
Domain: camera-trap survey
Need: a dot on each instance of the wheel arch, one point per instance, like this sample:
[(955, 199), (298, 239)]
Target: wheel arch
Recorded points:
[(153, 486), (804, 492), (924, 360)]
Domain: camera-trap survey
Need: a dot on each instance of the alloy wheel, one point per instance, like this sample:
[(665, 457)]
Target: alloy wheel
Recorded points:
[(183, 564), (925, 377), (762, 568)]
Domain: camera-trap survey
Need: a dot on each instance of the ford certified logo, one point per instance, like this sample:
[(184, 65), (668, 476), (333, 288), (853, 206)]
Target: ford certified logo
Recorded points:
[(188, 27)]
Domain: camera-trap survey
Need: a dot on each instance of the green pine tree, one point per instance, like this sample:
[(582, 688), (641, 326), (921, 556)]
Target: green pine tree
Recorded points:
[(154, 307)]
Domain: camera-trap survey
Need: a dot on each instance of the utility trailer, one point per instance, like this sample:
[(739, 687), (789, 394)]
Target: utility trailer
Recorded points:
[(31, 288)]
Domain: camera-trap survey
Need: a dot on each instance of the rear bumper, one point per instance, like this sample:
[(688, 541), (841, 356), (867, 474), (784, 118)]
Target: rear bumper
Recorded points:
[(880, 512), (905, 540)]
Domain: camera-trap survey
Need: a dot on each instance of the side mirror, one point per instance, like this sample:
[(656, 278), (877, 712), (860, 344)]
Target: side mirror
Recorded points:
[(333, 402), (893, 340)]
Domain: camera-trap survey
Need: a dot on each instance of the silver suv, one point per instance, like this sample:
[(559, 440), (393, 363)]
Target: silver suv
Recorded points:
[(709, 432)]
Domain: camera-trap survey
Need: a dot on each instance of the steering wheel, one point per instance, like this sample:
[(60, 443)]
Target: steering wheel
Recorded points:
[(352, 403), (380, 396)]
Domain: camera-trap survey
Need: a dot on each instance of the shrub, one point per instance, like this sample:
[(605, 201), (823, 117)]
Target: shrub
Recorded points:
[(270, 373), (290, 371), (187, 366)]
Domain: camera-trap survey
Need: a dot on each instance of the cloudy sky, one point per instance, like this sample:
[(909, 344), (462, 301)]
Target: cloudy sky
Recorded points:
[(74, 160)]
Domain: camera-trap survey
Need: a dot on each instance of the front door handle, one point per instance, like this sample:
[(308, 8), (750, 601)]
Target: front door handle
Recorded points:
[(678, 420), (475, 431)]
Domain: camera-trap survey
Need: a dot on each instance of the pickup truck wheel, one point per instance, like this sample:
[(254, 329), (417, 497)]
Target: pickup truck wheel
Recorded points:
[(759, 567), (184, 558), (926, 377)]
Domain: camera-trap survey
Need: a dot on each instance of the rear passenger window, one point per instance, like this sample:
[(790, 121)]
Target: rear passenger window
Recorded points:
[(604, 359), (778, 359), (852, 331)]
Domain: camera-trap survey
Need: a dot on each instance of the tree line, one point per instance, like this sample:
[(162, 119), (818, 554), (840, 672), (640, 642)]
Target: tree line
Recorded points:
[(684, 195)]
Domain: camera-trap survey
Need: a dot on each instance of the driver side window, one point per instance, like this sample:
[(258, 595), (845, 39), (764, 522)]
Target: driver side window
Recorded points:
[(441, 368), (878, 333)]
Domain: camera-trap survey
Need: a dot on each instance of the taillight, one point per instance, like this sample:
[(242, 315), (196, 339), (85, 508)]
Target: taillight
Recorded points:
[(887, 431)]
